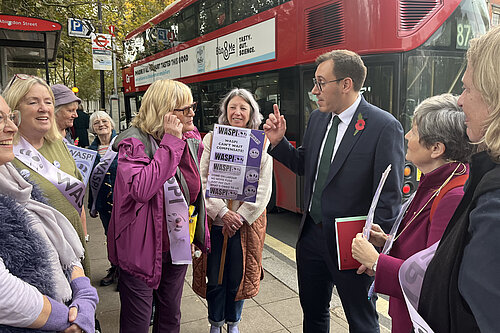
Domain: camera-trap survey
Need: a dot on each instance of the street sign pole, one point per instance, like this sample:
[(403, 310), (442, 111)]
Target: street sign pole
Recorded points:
[(115, 81), (103, 97)]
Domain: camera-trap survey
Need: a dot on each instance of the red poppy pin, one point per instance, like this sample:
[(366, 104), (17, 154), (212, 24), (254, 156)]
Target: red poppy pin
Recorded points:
[(360, 125)]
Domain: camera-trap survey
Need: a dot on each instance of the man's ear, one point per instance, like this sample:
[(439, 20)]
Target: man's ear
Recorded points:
[(438, 150), (347, 84)]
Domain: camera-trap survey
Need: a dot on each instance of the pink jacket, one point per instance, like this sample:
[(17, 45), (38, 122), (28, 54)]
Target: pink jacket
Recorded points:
[(136, 226), (419, 235)]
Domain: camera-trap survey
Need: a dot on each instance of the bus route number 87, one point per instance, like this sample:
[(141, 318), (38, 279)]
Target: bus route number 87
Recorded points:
[(463, 35)]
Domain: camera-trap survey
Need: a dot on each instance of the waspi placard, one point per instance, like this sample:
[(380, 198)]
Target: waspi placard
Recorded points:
[(235, 163)]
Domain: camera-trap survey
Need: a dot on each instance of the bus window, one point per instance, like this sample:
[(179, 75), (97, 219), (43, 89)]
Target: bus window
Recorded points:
[(188, 26), (264, 86), (310, 100), (432, 75), (379, 86), (209, 94), (288, 102), (265, 100), (212, 15)]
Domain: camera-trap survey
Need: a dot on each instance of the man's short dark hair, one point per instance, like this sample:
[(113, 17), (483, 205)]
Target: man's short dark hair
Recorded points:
[(346, 64)]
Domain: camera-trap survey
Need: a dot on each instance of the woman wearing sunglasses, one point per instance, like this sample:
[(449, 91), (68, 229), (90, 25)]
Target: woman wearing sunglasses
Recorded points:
[(156, 180), (41, 154), (39, 250)]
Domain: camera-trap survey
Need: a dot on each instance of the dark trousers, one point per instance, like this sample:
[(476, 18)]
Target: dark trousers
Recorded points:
[(220, 298), (137, 298), (318, 273), (105, 216)]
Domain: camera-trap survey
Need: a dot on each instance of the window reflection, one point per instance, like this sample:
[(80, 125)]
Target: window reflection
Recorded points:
[(194, 21)]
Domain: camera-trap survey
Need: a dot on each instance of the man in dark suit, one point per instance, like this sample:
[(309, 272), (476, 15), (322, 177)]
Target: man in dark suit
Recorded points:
[(81, 126), (347, 146)]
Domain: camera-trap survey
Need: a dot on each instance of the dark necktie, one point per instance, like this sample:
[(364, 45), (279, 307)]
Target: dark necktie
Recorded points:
[(323, 169)]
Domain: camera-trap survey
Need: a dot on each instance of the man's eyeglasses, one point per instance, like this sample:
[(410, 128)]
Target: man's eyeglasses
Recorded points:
[(19, 76), (187, 109), (14, 116), (320, 85)]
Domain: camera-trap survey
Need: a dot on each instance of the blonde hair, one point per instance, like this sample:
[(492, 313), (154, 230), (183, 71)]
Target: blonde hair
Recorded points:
[(17, 89), (162, 97), (482, 56)]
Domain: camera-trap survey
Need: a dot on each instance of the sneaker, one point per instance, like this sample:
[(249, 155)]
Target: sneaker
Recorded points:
[(215, 329), (232, 328), (110, 277)]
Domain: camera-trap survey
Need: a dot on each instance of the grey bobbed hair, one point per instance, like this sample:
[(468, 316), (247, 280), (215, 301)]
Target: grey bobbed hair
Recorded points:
[(255, 115)]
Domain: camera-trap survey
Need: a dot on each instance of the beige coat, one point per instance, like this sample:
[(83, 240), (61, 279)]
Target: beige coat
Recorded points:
[(252, 232)]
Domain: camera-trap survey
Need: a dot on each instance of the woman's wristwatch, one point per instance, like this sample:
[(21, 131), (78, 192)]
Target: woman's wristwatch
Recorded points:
[(374, 267)]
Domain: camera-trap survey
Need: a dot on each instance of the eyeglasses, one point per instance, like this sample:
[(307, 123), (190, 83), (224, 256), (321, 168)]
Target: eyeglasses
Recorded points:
[(14, 116), (19, 76), (320, 85), (188, 109)]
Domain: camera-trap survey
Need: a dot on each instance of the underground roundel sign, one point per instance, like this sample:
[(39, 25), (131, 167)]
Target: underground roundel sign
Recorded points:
[(101, 42)]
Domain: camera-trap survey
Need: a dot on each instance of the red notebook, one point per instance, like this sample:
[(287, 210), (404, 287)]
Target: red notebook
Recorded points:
[(346, 229)]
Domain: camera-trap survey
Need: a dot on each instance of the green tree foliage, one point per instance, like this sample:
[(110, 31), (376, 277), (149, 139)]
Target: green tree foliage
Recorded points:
[(73, 52)]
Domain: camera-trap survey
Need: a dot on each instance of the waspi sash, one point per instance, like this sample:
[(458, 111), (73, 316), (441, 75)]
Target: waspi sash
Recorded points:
[(411, 277), (84, 159), (99, 172), (72, 188), (177, 216)]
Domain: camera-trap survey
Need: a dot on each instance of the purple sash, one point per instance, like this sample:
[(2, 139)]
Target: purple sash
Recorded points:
[(411, 277), (72, 188), (84, 159), (177, 216), (99, 172)]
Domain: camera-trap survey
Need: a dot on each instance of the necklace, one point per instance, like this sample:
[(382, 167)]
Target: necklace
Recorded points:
[(454, 173)]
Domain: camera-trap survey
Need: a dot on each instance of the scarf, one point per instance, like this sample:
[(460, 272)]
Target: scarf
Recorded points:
[(61, 238)]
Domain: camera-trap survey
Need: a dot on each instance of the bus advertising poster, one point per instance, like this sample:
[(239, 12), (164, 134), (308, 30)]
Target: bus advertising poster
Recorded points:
[(250, 45), (235, 163)]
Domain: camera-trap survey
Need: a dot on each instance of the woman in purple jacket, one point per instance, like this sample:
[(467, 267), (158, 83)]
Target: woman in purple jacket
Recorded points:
[(439, 147), (157, 179)]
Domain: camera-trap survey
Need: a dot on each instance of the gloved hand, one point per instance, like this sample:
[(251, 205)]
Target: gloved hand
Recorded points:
[(58, 318), (85, 299)]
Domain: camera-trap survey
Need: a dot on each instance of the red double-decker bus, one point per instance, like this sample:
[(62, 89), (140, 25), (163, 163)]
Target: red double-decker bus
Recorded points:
[(413, 49)]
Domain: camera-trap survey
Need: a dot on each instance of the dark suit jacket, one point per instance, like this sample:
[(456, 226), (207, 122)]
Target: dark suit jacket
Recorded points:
[(356, 168), (81, 126)]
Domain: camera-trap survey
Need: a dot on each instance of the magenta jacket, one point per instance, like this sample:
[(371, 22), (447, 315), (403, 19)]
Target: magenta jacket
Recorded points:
[(136, 227), (419, 235)]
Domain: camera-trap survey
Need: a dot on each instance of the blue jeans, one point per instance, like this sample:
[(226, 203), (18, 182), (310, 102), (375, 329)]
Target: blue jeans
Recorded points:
[(220, 298)]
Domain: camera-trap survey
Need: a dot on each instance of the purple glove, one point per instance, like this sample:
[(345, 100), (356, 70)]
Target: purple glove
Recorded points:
[(58, 318), (85, 300)]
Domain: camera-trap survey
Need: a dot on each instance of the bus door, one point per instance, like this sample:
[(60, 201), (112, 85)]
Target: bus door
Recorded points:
[(384, 88)]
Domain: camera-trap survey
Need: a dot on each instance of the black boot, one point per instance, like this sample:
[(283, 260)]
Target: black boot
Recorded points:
[(110, 278)]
